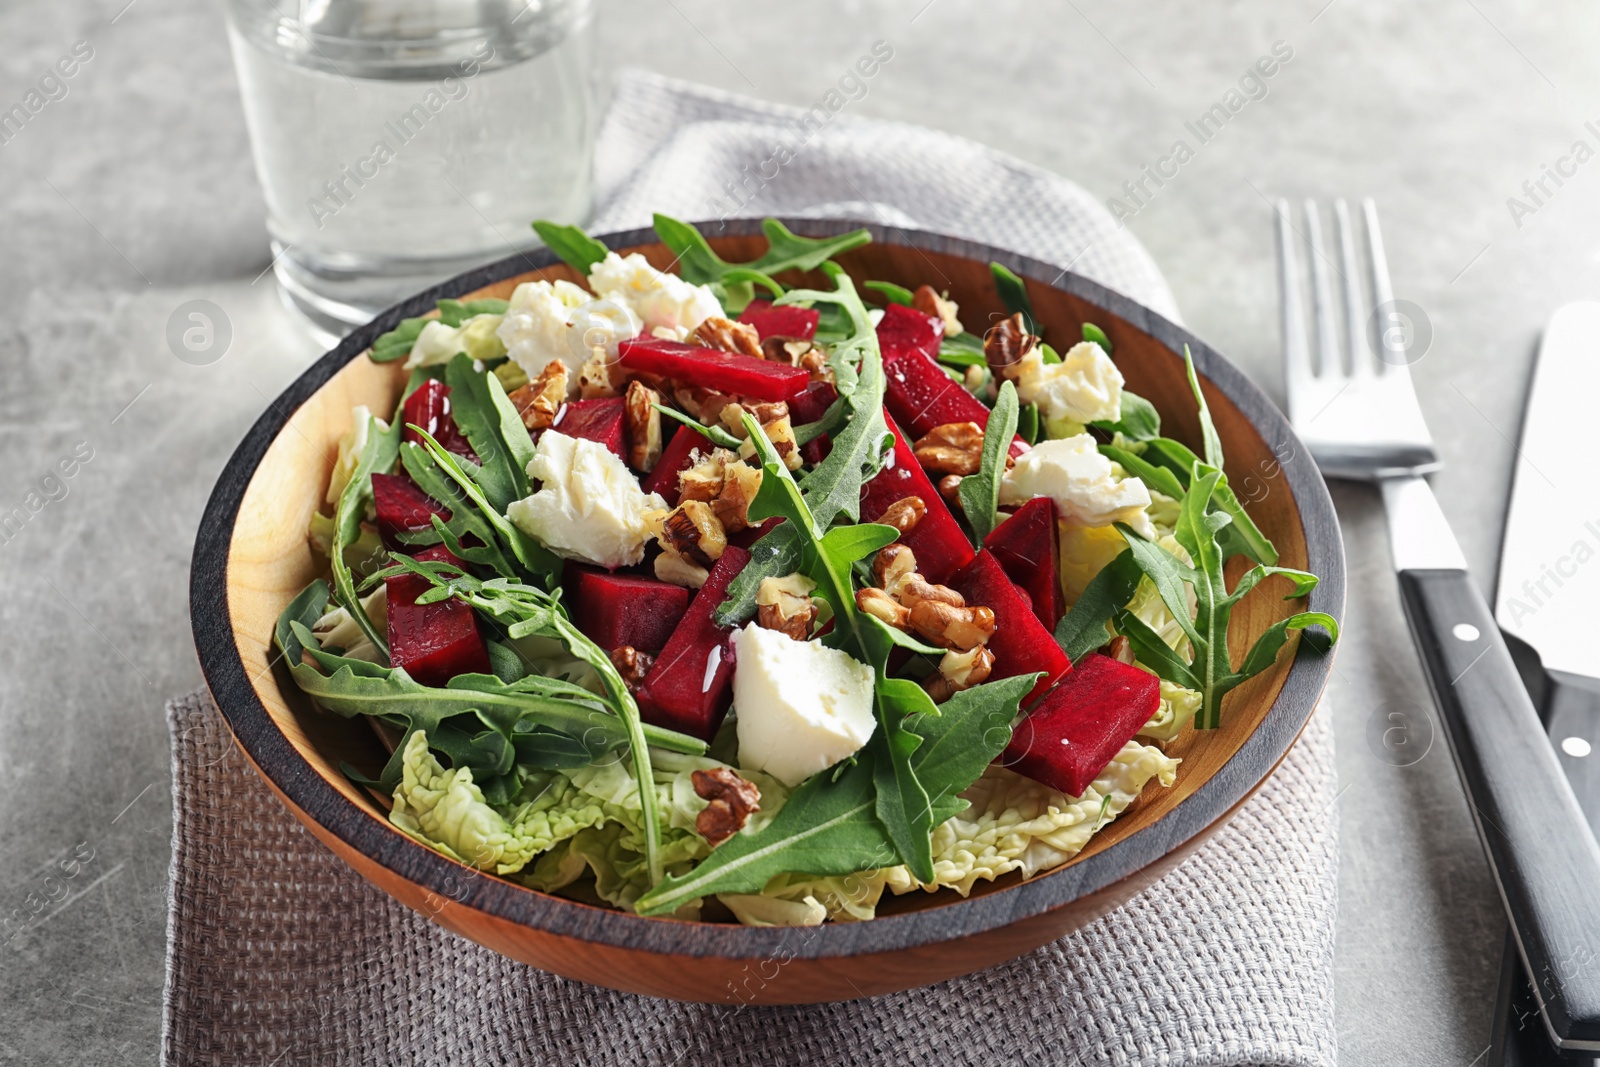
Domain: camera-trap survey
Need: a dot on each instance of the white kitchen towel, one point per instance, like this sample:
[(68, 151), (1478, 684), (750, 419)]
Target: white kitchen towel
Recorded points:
[(279, 954)]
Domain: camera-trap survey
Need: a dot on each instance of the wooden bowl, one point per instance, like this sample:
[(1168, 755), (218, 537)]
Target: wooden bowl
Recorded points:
[(252, 557)]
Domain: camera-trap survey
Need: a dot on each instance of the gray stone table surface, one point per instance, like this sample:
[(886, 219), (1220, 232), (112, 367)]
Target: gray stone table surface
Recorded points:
[(135, 192)]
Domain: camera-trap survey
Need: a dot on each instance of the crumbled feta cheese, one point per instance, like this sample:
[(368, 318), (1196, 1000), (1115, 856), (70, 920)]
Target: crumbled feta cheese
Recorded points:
[(438, 343), (658, 299), (590, 506), (1084, 387), (801, 707), (1082, 482), (558, 320)]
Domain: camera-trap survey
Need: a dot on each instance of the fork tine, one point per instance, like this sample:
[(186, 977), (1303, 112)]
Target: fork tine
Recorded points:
[(1328, 361), (1298, 371), (1382, 290), (1361, 360)]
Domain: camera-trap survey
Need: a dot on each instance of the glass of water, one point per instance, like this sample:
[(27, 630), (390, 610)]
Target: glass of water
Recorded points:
[(399, 142)]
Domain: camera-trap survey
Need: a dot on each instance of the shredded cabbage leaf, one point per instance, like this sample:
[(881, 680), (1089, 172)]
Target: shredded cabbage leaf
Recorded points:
[(1177, 710)]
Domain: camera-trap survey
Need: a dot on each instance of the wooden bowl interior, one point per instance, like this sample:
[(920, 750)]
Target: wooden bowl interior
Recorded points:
[(270, 560)]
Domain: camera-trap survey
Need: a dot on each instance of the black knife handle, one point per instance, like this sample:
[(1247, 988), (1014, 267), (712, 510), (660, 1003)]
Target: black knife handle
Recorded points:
[(1545, 861)]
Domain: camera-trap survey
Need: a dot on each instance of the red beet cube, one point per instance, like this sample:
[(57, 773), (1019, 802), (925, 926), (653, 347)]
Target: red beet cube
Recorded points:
[(402, 507), (1021, 644), (429, 407), (691, 685), (624, 609), (597, 420), (1028, 548), (917, 391), (781, 322), (723, 372), (937, 541), (675, 459), (1067, 739), (432, 642), (812, 404)]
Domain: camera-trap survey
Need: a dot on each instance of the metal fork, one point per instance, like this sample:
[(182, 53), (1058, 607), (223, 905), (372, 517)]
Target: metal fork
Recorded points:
[(1356, 410)]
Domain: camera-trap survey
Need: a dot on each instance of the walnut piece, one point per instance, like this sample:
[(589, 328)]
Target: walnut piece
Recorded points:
[(952, 448), (1005, 344), (958, 671), (675, 570), (642, 425), (732, 799), (929, 302), (948, 626), (949, 488), (703, 404), (540, 401), (721, 480), (632, 664), (691, 530), (725, 335), (784, 604), (884, 607), (904, 514), (1120, 649), (893, 566), (775, 423)]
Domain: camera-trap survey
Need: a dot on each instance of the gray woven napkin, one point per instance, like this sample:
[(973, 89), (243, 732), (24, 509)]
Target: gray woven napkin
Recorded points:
[(278, 954)]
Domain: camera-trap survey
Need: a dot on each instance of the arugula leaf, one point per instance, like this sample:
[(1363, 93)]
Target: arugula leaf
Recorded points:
[(576, 248), (455, 312), (1028, 423), (1014, 295), (894, 294), (1095, 335), (1137, 419), (980, 493), (828, 826), (378, 456), (396, 344), (481, 410), (1208, 429), (699, 265), (715, 434), (468, 534), (1242, 536), (1083, 628), (1161, 479)]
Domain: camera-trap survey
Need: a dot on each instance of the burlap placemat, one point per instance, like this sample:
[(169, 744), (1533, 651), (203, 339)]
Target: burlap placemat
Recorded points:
[(278, 954)]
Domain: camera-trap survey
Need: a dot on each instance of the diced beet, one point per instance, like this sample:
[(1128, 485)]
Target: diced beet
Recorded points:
[(781, 322), (1028, 548), (812, 404), (1081, 724), (433, 642), (724, 372), (624, 609), (1021, 644), (663, 477), (751, 534), (816, 450), (937, 541), (594, 420), (402, 507), (691, 684), (429, 407), (917, 391)]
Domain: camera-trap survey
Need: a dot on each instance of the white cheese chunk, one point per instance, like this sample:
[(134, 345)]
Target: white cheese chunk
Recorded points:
[(661, 301), (1083, 483), (801, 707), (549, 321), (1084, 387), (590, 506)]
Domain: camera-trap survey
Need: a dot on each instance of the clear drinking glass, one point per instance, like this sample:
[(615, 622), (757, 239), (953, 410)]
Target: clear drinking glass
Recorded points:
[(399, 142)]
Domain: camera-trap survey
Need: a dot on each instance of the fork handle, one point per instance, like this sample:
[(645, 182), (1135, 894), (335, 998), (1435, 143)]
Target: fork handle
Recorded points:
[(1544, 858)]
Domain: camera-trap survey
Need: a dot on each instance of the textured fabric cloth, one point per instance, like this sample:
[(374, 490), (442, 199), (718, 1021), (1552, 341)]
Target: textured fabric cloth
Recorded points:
[(279, 954)]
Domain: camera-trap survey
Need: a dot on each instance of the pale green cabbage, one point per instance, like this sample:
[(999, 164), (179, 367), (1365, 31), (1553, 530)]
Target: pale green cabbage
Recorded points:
[(1177, 709), (337, 629), (807, 900), (1152, 610), (438, 343)]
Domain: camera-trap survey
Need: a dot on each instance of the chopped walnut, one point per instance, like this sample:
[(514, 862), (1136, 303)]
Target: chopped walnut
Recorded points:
[(894, 565), (790, 350), (643, 425), (953, 448), (763, 412), (703, 478), (913, 589), (949, 489), (1120, 649), (816, 363), (632, 664), (675, 570), (1005, 345), (904, 514), (691, 530), (601, 375), (740, 483), (881, 605), (910, 602), (703, 404), (948, 626), (775, 423), (929, 302), (540, 401), (725, 335), (958, 671), (784, 604), (732, 799)]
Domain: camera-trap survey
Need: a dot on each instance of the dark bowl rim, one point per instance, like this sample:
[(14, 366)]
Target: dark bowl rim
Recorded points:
[(356, 826)]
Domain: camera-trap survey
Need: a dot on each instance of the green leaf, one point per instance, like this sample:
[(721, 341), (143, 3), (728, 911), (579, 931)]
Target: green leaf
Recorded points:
[(1083, 629), (1137, 419), (1208, 429), (396, 344), (1161, 479), (715, 434), (1048, 355), (576, 248), (1265, 651), (468, 534), (1167, 573), (980, 493), (1301, 582), (894, 294), (479, 406), (1153, 652), (1014, 295), (377, 457), (1243, 537), (699, 265), (1096, 335), (455, 312), (1028, 423)]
